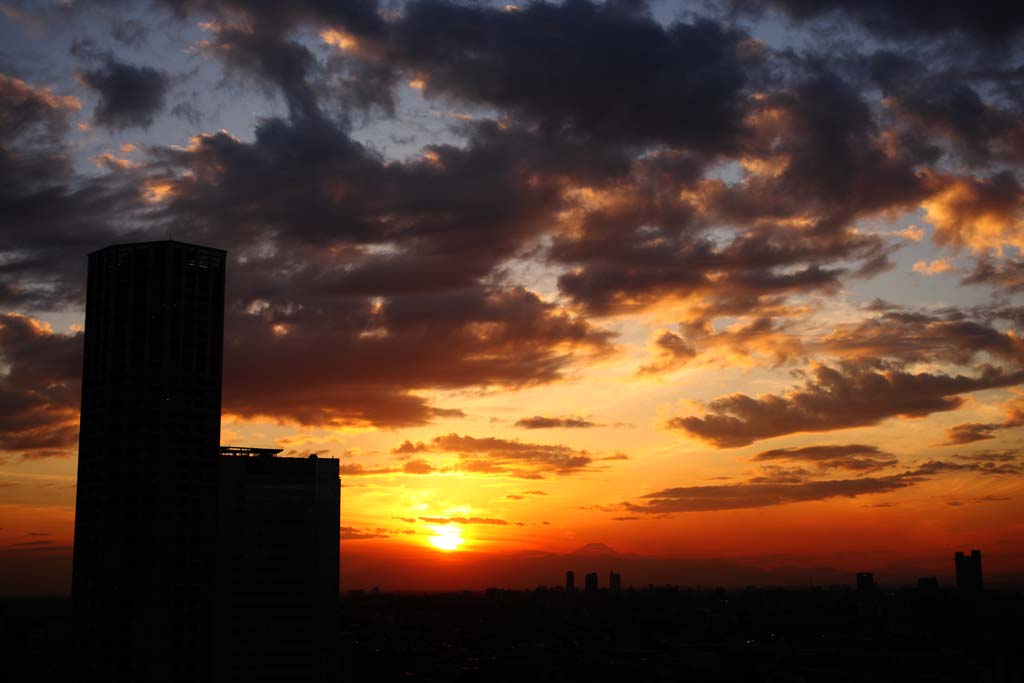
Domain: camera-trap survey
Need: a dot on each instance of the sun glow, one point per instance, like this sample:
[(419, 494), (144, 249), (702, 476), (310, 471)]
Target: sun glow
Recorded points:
[(447, 538)]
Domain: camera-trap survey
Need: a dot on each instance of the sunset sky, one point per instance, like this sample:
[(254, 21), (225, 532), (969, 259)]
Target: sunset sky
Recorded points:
[(697, 280)]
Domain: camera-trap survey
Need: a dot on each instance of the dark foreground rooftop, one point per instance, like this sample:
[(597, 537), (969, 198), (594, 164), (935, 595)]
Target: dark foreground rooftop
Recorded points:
[(665, 634)]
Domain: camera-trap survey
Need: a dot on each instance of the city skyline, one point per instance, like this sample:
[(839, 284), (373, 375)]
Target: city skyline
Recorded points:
[(659, 283)]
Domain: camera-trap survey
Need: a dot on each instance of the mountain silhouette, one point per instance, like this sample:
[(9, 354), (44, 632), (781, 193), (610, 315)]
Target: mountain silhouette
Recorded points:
[(594, 550)]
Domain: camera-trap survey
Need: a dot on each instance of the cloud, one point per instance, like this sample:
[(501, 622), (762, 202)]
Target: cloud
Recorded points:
[(982, 214), (796, 487), (39, 393), (969, 433), (490, 455), (130, 96), (359, 470), (948, 336), (672, 352), (978, 431), (349, 533), (25, 108), (853, 457), (464, 520), (986, 462), (944, 103), (540, 422), (755, 495), (934, 268), (994, 23), (855, 394), (52, 215), (679, 85), (382, 351), (418, 466), (814, 162)]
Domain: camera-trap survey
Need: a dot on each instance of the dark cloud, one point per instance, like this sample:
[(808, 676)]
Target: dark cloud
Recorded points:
[(381, 352), (39, 392), (989, 22), (1006, 274), (464, 520), (852, 395), (490, 455), (600, 71), (819, 155), (130, 96), (52, 215), (970, 432), (672, 352), (358, 470), (815, 161), (986, 462), (28, 111), (950, 336), (349, 533), (782, 487), (755, 494), (950, 109), (418, 466), (541, 422), (853, 457), (129, 32), (982, 431)]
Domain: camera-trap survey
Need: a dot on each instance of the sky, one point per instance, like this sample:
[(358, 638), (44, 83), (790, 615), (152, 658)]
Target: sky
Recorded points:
[(561, 285)]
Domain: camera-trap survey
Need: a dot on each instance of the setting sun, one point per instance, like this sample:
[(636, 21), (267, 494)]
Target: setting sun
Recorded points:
[(447, 538)]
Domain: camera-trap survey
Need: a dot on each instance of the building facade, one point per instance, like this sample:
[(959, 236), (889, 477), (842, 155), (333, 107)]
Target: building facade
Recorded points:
[(277, 568), (147, 463)]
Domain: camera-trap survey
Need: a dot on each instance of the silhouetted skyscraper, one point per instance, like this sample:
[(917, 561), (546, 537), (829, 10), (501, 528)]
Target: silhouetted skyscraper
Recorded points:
[(614, 582), (147, 462), (570, 581), (865, 581), (591, 582), (968, 571), (277, 568)]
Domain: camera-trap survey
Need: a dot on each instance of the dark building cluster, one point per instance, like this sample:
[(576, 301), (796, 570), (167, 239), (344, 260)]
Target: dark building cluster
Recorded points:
[(191, 562), (591, 583)]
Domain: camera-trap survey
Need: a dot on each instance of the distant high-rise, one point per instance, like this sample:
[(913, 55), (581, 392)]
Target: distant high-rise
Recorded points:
[(865, 581), (614, 582), (968, 571), (591, 582), (277, 568), (570, 581), (147, 462)]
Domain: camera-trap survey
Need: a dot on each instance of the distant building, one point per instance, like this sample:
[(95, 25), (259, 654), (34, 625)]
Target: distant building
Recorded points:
[(143, 565), (570, 581), (591, 582), (277, 567), (865, 581), (968, 571), (614, 582), (928, 583)]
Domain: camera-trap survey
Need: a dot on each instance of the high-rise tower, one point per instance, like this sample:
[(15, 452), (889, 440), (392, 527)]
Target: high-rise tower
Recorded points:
[(147, 471), (968, 571)]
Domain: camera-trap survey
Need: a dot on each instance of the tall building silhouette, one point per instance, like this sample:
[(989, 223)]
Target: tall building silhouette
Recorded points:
[(968, 571), (865, 581), (591, 582), (277, 568), (614, 582), (570, 581), (147, 462)]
